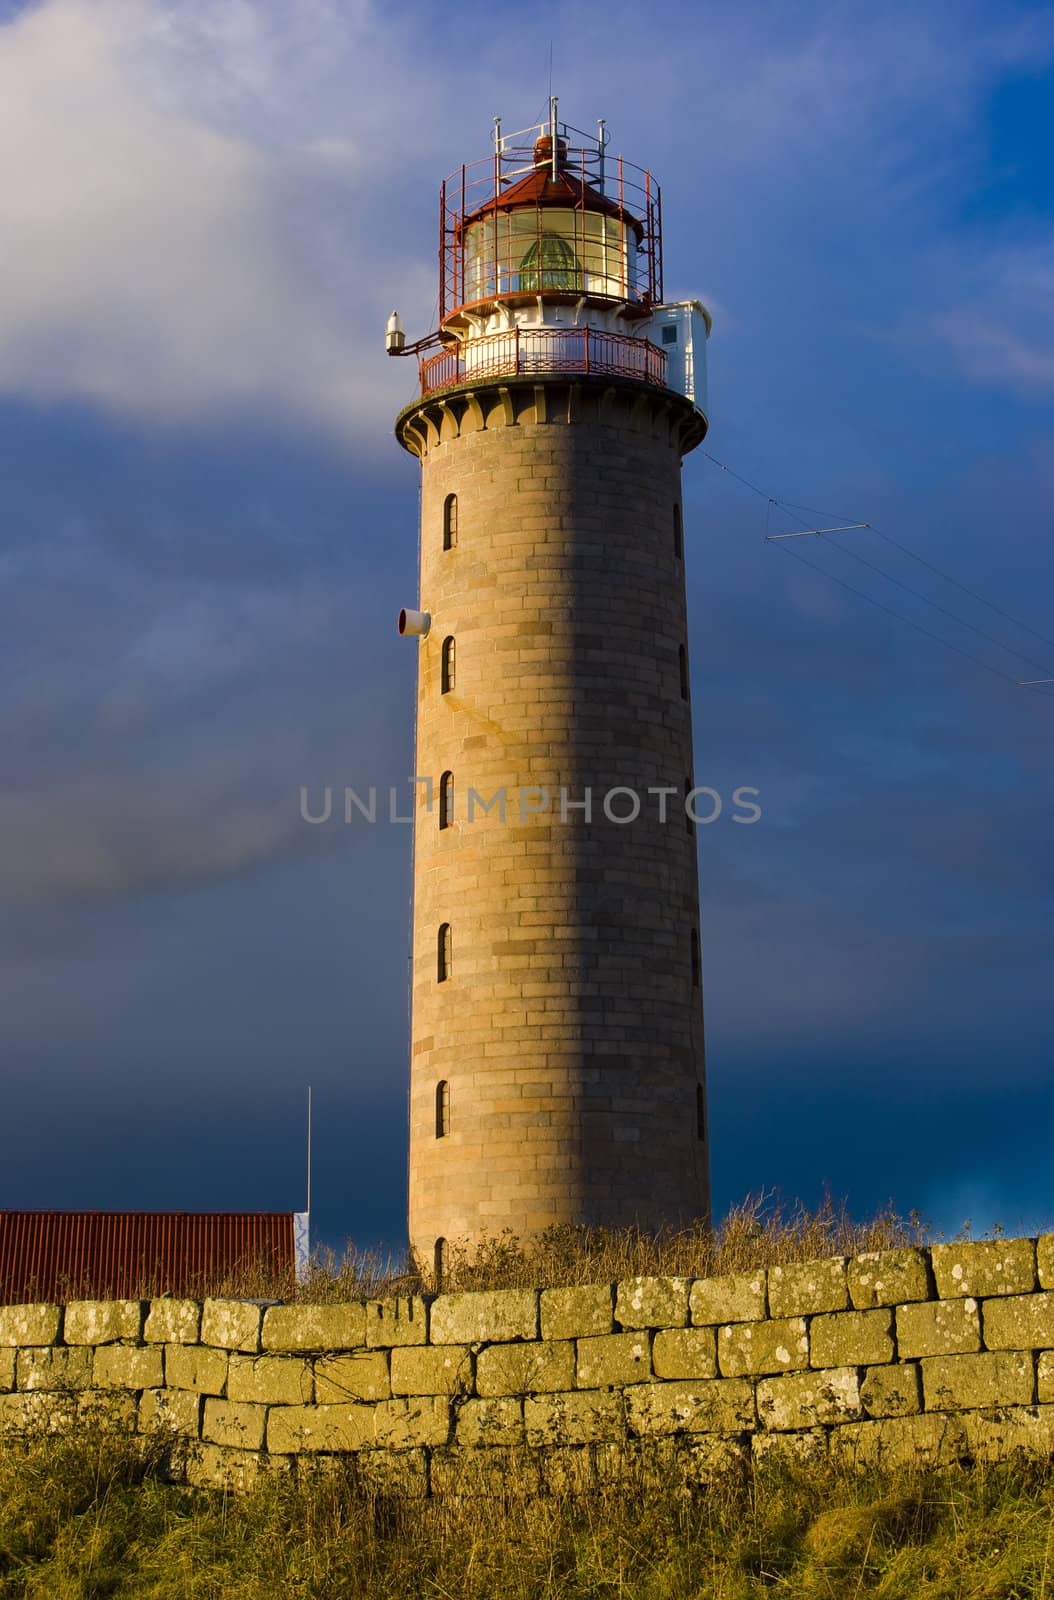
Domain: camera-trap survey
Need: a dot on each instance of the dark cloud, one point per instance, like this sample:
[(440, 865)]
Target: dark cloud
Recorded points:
[(201, 567)]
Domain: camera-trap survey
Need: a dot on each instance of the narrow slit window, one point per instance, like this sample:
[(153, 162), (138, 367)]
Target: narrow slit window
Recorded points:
[(689, 820), (443, 1108), (448, 670), (683, 658), (439, 1262), (446, 799), (450, 522), (696, 964), (678, 533), (700, 1112), (443, 953)]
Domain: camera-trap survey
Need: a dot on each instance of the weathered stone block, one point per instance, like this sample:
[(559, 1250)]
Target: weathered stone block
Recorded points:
[(807, 1399), (736, 1297), (984, 1267), (362, 1376), (571, 1470), (7, 1368), (490, 1422), (684, 1353), (437, 1369), (213, 1466), (403, 1424), (29, 1325), (1045, 1376), (176, 1409), (536, 1368), (714, 1406), (233, 1423), (888, 1278), (613, 1360), (36, 1410), (126, 1366), (804, 1287), (1011, 1431), (898, 1442), (329, 1427), (1020, 1322), (54, 1368), (102, 1321), (63, 1411), (851, 1338), (192, 1366), (585, 1417), (390, 1424), (1045, 1260), (701, 1458), (941, 1328), (484, 1474), (582, 1312), (172, 1322), (107, 1408), (484, 1318), (963, 1383), (402, 1473), (231, 1324), (403, 1320), (793, 1448), (338, 1327), (759, 1347), (652, 1302), (270, 1380), (892, 1391)]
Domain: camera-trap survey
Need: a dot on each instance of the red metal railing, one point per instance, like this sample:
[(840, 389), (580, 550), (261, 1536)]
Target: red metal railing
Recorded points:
[(545, 350)]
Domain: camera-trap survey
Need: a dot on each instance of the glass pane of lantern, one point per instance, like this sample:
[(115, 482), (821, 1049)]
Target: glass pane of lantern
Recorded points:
[(549, 248)]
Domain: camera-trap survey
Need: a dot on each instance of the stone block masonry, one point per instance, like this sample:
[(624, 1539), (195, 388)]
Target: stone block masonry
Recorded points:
[(892, 1357), (559, 1028)]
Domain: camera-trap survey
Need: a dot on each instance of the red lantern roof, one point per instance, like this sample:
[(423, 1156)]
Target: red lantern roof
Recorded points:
[(540, 188)]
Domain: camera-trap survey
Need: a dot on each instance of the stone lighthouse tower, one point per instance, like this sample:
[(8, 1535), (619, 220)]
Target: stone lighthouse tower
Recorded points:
[(557, 1069)]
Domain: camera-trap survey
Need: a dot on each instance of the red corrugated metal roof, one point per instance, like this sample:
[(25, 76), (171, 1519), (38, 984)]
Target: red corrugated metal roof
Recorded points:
[(61, 1255)]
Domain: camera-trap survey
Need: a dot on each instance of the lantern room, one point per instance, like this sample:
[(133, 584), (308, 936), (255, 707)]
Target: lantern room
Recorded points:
[(553, 232), (553, 217), (550, 262)]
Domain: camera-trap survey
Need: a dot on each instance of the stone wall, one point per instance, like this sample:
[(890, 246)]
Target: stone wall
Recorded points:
[(939, 1354)]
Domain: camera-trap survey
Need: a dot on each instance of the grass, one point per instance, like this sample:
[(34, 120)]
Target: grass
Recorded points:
[(93, 1517), (761, 1232)]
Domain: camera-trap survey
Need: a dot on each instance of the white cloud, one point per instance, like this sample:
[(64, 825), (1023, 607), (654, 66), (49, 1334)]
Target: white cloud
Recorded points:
[(1002, 329), (158, 261), (213, 204)]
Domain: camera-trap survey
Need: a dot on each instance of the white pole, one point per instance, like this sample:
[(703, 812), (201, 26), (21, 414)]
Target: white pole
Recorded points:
[(308, 1206)]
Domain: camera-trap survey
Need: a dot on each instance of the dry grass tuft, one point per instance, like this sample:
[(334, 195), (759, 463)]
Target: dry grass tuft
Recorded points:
[(763, 1231)]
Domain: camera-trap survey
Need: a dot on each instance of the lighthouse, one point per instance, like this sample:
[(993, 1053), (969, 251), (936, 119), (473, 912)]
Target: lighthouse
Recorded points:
[(557, 1062)]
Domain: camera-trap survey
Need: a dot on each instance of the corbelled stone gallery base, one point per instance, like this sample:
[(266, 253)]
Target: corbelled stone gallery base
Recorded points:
[(893, 1357)]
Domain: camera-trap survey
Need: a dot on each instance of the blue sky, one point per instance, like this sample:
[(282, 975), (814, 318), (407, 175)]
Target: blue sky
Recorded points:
[(208, 529)]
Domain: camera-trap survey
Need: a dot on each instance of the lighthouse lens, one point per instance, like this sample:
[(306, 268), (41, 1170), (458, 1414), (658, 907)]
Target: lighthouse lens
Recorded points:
[(550, 248), (550, 263)]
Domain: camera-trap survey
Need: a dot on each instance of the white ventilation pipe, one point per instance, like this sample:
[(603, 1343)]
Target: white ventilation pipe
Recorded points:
[(416, 622)]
